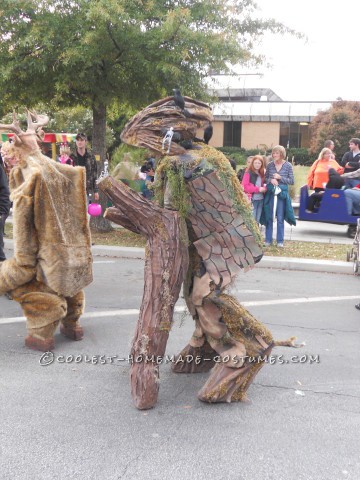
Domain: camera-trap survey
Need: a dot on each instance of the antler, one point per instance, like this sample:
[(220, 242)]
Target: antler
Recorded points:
[(13, 127), (35, 121)]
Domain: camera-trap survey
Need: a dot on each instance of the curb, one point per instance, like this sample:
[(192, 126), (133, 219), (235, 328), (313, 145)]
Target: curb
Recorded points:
[(279, 263)]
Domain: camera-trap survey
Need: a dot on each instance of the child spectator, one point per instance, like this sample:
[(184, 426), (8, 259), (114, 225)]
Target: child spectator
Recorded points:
[(253, 184), (65, 155), (148, 170), (241, 172)]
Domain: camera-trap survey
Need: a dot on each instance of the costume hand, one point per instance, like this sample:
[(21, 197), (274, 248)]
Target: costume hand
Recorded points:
[(96, 196)]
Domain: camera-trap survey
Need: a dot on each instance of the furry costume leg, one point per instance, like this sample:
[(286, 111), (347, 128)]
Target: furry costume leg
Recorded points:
[(70, 325), (43, 310)]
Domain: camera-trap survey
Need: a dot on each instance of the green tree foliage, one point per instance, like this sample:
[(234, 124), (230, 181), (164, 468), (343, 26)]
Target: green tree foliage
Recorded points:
[(92, 52), (340, 123)]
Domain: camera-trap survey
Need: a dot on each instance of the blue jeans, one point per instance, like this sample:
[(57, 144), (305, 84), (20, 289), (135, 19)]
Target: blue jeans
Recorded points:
[(351, 182), (257, 209), (280, 212), (352, 201)]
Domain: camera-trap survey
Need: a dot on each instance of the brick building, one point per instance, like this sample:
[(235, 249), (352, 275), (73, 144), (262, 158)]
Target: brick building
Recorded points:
[(256, 117)]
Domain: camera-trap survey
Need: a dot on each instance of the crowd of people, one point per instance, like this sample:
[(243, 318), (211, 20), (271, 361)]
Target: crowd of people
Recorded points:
[(266, 182), (326, 173)]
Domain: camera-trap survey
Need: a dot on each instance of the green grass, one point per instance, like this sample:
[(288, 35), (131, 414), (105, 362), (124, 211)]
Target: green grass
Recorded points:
[(321, 251), (121, 237), (311, 250), (300, 175)]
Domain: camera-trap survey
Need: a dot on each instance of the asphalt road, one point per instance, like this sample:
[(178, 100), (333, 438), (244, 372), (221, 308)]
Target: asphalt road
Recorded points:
[(76, 420)]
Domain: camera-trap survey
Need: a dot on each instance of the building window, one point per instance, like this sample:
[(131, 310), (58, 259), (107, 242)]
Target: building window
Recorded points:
[(290, 134), (232, 134)]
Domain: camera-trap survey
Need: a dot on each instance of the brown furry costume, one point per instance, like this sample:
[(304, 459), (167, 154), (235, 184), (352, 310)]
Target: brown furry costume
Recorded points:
[(52, 260)]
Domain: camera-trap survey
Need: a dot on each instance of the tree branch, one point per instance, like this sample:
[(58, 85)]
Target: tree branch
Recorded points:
[(165, 269)]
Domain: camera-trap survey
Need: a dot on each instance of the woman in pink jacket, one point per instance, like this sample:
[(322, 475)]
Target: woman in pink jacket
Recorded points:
[(253, 184)]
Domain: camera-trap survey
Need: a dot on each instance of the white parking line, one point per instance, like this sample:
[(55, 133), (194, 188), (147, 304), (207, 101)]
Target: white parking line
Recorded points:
[(182, 308), (298, 300), (104, 261)]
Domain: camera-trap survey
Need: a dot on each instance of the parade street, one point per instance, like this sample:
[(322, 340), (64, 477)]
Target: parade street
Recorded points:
[(71, 416)]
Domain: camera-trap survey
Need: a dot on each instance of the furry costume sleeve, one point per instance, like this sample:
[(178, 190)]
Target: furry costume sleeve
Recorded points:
[(20, 269)]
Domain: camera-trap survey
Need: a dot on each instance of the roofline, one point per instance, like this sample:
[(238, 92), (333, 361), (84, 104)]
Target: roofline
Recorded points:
[(262, 118)]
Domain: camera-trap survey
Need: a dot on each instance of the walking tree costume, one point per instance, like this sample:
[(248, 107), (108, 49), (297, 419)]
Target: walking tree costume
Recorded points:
[(52, 260), (200, 232)]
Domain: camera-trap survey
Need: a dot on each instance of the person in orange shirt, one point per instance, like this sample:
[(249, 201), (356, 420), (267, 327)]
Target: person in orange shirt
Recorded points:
[(319, 172), (319, 176)]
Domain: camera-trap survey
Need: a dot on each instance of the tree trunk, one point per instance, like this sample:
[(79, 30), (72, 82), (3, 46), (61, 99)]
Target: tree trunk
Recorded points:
[(100, 224), (166, 264)]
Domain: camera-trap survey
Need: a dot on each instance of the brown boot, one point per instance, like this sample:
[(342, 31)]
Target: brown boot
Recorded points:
[(74, 332), (42, 344), (70, 325)]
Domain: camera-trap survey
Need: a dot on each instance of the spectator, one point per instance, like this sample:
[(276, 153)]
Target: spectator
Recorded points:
[(64, 157), (46, 149), (279, 173), (241, 172), (4, 207), (329, 144), (253, 184), (232, 163), (318, 174), (7, 152), (352, 196), (318, 177), (335, 181), (84, 158), (148, 169), (351, 161)]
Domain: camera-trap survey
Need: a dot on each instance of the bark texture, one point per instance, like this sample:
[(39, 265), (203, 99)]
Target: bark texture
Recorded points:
[(166, 264)]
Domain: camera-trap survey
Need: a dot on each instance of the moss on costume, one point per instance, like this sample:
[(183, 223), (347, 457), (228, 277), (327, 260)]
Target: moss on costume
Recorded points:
[(172, 169)]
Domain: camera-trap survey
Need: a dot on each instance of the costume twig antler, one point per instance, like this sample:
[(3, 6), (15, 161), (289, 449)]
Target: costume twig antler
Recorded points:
[(36, 121), (27, 139), (13, 127)]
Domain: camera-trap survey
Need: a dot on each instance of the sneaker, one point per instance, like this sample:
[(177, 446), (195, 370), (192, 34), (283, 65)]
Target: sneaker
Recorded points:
[(267, 244), (280, 245)]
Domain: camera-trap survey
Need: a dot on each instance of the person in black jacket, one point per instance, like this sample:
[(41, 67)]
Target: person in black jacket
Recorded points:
[(351, 161), (84, 158), (4, 208)]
